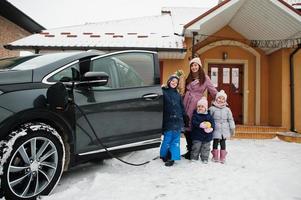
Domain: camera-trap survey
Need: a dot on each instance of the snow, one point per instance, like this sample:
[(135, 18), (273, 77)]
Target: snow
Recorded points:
[(255, 169), (159, 33)]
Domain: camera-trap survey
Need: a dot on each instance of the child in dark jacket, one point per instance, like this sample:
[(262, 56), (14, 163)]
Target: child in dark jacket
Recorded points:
[(173, 113), (202, 125)]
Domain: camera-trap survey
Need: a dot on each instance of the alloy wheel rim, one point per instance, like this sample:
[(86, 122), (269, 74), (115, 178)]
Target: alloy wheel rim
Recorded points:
[(32, 167)]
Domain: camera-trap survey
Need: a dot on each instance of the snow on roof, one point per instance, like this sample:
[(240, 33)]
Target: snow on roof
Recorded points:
[(144, 32)]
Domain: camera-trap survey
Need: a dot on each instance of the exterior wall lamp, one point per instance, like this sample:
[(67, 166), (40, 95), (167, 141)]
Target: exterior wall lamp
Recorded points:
[(225, 55)]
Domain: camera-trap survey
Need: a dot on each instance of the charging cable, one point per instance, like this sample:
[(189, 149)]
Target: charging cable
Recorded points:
[(57, 98), (100, 142)]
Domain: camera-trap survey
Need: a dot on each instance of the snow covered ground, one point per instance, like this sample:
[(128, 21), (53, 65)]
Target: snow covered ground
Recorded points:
[(255, 170)]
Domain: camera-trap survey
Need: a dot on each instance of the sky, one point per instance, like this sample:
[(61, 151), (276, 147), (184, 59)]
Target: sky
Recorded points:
[(60, 13)]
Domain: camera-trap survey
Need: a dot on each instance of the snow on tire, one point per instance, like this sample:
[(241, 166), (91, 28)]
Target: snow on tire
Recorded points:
[(32, 161)]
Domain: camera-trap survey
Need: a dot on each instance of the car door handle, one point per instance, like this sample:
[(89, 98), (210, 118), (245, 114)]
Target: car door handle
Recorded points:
[(150, 96)]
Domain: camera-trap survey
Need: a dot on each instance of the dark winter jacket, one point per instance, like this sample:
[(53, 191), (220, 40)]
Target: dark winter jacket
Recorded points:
[(198, 133), (173, 110)]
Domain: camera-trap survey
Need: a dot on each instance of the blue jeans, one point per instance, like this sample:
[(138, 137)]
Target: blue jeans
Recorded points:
[(171, 142)]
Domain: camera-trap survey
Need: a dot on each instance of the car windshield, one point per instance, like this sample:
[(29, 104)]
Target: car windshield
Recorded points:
[(9, 63), (31, 62)]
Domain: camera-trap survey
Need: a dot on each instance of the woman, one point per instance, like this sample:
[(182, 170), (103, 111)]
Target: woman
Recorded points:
[(196, 84)]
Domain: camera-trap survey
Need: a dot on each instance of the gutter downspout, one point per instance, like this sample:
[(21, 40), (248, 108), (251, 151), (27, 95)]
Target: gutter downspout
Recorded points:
[(292, 88)]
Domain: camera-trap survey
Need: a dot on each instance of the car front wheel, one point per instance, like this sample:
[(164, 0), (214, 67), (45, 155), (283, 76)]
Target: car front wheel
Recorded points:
[(35, 162)]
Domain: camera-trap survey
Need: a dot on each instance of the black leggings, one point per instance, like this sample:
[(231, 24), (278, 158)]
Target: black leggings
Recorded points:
[(188, 140), (219, 141)]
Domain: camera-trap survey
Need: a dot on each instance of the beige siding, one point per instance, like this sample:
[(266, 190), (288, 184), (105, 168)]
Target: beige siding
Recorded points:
[(275, 94), (297, 69)]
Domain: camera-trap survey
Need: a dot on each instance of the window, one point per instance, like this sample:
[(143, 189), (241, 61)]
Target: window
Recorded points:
[(9, 63), (33, 61), (128, 77), (105, 65), (135, 69), (126, 70), (66, 75)]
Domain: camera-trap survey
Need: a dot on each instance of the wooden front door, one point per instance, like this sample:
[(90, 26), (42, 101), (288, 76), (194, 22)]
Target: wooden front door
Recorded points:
[(229, 77)]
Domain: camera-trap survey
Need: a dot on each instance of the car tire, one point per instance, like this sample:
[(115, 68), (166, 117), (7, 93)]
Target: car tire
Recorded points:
[(35, 162)]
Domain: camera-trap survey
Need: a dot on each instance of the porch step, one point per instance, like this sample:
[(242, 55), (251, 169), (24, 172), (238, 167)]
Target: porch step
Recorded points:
[(290, 137), (257, 132), (266, 132), (243, 128)]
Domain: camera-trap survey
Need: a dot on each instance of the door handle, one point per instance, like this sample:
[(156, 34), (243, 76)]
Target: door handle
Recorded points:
[(150, 96)]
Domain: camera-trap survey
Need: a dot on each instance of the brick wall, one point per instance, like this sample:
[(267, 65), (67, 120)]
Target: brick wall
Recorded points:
[(9, 32)]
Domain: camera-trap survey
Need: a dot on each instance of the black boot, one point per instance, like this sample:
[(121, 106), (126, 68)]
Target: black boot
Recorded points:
[(187, 155), (168, 156), (169, 163), (163, 159), (188, 146)]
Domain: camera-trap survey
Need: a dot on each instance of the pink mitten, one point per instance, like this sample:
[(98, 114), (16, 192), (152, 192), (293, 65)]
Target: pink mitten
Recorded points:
[(208, 130), (203, 125)]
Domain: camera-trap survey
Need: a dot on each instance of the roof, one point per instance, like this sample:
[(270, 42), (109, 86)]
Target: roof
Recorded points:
[(13, 14), (254, 19), (154, 33), (162, 33)]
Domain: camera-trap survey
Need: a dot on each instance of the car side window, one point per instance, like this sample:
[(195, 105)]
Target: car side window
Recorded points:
[(128, 77), (126, 70), (135, 69), (105, 65), (66, 75)]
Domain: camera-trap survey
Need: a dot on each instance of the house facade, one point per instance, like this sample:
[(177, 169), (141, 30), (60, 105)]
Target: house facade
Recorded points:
[(249, 48), (257, 79), (14, 25)]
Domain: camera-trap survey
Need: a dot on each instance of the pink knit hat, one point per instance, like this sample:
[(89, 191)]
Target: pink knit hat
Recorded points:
[(203, 101), (221, 93), (196, 60)]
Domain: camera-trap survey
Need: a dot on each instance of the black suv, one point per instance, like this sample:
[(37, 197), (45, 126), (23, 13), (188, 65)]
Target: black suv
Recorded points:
[(44, 124)]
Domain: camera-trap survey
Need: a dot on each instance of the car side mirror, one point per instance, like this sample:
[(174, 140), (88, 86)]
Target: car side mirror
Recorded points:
[(93, 79)]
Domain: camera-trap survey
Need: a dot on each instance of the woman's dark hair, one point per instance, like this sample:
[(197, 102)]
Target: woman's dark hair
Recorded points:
[(201, 74)]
